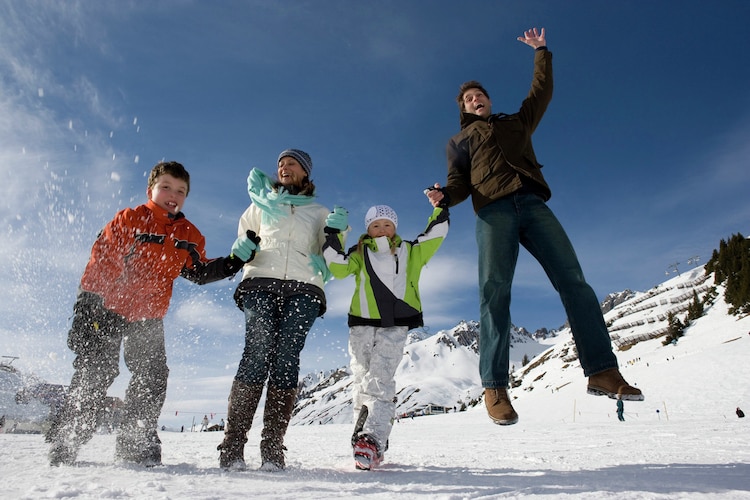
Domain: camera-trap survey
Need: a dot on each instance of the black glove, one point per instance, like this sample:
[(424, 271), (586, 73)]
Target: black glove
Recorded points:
[(446, 201), (90, 323)]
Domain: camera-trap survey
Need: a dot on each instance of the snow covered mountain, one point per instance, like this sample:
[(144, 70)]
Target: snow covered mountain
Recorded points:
[(641, 317), (440, 372)]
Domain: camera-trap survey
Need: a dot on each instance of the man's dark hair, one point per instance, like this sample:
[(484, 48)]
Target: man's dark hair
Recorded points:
[(471, 84), (172, 168)]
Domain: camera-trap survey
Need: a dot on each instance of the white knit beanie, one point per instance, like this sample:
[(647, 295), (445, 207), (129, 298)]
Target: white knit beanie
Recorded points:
[(381, 212)]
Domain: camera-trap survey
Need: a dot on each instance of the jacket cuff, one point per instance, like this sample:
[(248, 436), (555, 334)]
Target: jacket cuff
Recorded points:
[(232, 264)]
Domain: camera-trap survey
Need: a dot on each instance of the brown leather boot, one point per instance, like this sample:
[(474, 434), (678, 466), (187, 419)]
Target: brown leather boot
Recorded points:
[(276, 416), (498, 406), (243, 401), (610, 383)]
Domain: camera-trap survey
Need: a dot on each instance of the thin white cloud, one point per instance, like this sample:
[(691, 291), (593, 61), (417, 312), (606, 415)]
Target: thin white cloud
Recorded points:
[(60, 177), (200, 311)]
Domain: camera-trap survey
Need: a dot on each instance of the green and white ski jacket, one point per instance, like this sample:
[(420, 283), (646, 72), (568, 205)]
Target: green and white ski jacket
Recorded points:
[(386, 273)]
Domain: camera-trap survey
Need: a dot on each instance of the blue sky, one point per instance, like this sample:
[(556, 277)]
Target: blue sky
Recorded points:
[(645, 144)]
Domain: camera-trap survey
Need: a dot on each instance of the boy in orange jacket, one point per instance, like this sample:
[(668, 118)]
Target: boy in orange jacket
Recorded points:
[(123, 297)]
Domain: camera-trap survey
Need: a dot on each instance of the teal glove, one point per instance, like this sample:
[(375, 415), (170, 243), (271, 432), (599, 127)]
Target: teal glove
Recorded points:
[(338, 219), (245, 246)]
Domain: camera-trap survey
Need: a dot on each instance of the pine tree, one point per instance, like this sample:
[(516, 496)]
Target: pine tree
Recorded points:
[(695, 308), (731, 267), (675, 329)]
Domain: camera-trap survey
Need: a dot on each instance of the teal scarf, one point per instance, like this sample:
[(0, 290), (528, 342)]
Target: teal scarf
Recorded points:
[(262, 193)]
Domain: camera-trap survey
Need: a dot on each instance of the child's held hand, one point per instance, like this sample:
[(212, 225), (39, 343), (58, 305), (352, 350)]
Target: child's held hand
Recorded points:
[(245, 246), (338, 219), (434, 194)]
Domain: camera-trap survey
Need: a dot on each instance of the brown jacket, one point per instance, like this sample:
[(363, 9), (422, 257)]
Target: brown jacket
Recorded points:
[(493, 158)]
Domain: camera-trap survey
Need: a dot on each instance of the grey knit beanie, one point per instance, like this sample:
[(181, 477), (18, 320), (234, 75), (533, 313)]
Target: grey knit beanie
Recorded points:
[(302, 158)]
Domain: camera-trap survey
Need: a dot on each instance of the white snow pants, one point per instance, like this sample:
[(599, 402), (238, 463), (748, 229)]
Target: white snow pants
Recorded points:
[(375, 355)]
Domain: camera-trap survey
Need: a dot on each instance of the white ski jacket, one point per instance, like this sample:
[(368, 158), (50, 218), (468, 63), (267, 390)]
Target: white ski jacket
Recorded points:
[(287, 245)]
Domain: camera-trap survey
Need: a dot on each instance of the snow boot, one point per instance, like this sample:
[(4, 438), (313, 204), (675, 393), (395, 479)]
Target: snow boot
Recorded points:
[(276, 417), (243, 401), (611, 384), (74, 424), (366, 453), (360, 423), (61, 453), (498, 406), (138, 446), (65, 440)]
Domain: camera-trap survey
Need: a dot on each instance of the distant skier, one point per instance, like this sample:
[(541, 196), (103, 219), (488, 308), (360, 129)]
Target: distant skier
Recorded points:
[(740, 413), (620, 410), (204, 423), (385, 306)]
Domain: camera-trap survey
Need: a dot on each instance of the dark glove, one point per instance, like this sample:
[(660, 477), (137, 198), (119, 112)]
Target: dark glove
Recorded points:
[(89, 323), (245, 246), (338, 220), (445, 201)]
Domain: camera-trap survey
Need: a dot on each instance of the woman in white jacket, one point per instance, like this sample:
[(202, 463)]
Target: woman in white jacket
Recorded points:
[(281, 294)]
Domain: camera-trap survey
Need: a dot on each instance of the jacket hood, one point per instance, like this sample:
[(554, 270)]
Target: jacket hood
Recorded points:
[(469, 118)]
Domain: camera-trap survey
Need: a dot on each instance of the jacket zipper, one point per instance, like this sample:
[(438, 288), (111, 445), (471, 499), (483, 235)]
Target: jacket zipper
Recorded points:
[(288, 250)]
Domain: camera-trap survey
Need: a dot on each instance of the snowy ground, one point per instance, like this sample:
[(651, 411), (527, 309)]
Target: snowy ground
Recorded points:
[(438, 457)]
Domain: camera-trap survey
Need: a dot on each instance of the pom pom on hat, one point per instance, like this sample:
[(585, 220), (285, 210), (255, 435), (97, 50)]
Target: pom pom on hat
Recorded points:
[(380, 212), (302, 158)]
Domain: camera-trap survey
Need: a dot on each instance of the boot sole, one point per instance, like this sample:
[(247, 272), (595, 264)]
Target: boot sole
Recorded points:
[(234, 467), (597, 391), (509, 421), (62, 455), (363, 461), (269, 466)]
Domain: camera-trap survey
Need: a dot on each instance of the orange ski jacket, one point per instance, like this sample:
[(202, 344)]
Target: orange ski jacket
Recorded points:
[(138, 255)]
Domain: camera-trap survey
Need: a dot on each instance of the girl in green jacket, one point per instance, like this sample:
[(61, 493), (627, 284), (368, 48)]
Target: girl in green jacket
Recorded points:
[(384, 307)]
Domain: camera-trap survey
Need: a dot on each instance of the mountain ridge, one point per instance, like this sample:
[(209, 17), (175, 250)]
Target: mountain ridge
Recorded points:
[(441, 370)]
